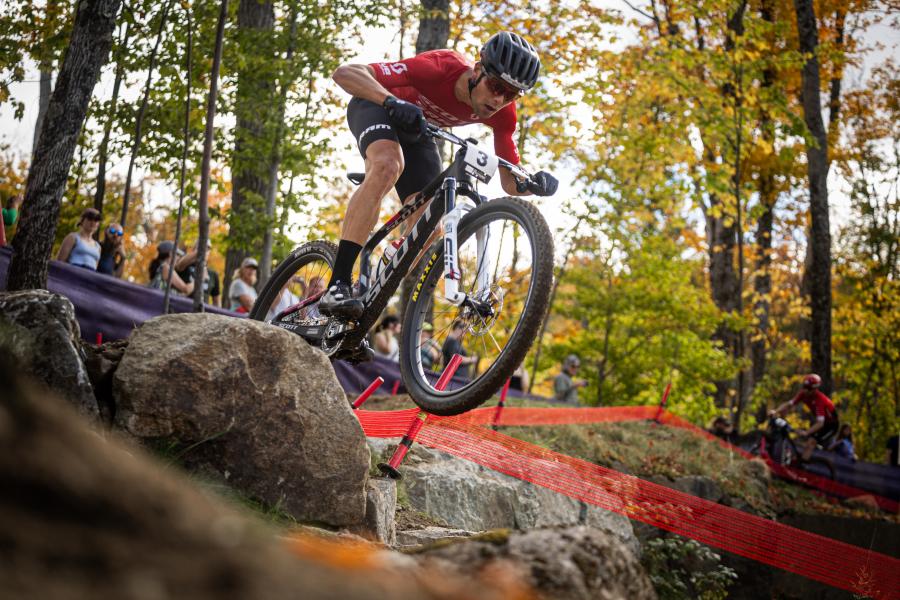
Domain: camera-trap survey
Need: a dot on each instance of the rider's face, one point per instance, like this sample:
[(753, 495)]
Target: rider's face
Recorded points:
[(491, 94)]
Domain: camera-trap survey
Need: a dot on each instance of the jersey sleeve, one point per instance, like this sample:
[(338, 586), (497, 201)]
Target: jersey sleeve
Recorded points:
[(504, 126), (418, 72)]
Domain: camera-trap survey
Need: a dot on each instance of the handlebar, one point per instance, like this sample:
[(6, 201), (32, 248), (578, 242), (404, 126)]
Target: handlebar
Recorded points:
[(434, 131)]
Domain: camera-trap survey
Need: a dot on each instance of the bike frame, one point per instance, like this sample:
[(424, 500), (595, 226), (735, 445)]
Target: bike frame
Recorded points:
[(441, 201)]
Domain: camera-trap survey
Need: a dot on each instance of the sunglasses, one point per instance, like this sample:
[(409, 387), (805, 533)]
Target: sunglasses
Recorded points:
[(92, 217), (114, 231), (500, 88)]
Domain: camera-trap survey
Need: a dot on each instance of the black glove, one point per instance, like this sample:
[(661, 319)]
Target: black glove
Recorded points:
[(405, 115), (542, 184)]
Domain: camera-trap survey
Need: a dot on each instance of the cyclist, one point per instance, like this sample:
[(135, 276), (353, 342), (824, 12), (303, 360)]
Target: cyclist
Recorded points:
[(387, 116), (822, 408)]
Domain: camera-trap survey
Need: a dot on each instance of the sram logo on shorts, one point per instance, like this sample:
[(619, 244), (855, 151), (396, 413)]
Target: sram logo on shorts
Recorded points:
[(393, 68)]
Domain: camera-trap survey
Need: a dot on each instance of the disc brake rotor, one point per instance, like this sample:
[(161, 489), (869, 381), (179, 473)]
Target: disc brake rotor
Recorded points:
[(481, 318)]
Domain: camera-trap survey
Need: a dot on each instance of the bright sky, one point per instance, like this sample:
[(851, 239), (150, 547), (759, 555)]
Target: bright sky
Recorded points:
[(381, 44)]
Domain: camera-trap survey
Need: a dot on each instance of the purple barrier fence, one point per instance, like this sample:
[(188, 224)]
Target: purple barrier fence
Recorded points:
[(104, 304)]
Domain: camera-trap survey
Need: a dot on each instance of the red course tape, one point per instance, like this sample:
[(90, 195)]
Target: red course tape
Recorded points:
[(823, 559)]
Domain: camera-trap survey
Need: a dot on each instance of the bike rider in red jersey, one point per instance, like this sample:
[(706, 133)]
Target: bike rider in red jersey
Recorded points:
[(821, 406), (387, 116)]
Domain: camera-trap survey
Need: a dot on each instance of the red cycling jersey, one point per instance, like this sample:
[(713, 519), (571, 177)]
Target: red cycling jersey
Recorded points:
[(428, 81), (817, 402)]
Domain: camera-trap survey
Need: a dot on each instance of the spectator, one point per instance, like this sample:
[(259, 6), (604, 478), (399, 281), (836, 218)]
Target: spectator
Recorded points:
[(843, 444), (287, 298), (159, 270), (112, 251), (316, 286), (79, 248), (242, 294), (893, 451), (453, 345), (385, 339), (428, 348), (519, 380), (565, 388), (185, 267), (722, 428), (11, 210)]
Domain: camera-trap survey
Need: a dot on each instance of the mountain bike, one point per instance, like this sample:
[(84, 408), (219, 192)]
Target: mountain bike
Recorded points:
[(784, 450), (495, 261)]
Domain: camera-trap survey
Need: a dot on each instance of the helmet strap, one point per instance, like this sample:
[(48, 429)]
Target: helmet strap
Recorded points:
[(474, 81)]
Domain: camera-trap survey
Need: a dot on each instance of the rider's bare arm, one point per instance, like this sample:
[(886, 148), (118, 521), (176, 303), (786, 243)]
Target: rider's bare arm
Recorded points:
[(359, 81), (782, 409)]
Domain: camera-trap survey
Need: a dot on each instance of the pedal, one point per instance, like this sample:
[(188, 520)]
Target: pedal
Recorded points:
[(362, 353)]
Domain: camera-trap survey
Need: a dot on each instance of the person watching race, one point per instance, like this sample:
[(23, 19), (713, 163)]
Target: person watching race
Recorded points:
[(387, 116), (826, 424)]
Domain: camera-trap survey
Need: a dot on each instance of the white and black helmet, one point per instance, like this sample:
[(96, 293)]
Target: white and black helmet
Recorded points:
[(509, 57)]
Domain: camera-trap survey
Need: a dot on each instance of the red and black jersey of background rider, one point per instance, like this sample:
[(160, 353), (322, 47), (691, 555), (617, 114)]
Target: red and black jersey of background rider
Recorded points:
[(817, 402), (428, 81)]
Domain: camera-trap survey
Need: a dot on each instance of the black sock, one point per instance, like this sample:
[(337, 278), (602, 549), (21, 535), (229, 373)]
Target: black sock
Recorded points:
[(343, 264)]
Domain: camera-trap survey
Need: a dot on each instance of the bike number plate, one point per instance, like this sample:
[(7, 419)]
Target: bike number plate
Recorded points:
[(480, 164)]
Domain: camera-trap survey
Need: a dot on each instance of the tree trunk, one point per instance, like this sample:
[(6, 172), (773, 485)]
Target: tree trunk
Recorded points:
[(88, 51), (43, 102), (265, 261), (250, 166), (434, 31), (203, 224), (186, 137), (139, 121), (818, 274), (434, 25), (103, 155), (768, 195)]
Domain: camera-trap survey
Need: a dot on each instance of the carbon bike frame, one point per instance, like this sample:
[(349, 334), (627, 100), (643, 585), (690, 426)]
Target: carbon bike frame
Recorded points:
[(439, 198)]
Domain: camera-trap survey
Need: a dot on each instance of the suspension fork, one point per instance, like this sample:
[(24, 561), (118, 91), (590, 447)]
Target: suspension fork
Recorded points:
[(453, 213)]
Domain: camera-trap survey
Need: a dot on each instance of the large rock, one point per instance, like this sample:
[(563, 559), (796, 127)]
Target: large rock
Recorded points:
[(470, 497), (576, 563), (86, 517), (39, 332), (251, 403)]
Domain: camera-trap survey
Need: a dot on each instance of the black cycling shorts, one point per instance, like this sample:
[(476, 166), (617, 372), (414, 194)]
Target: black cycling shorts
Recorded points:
[(828, 431), (422, 162)]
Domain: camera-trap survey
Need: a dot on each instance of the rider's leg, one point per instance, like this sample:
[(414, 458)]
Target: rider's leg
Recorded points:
[(384, 163), (379, 145), (424, 165)]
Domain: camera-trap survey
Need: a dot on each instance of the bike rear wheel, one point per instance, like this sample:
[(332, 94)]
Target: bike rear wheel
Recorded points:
[(302, 275), (517, 291)]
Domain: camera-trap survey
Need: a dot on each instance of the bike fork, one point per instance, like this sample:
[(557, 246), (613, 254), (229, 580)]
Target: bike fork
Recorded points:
[(453, 215)]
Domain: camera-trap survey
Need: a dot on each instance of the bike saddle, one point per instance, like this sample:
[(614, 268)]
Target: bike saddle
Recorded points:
[(356, 178)]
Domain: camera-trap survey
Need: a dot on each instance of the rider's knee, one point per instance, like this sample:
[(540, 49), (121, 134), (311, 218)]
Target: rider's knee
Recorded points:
[(385, 167)]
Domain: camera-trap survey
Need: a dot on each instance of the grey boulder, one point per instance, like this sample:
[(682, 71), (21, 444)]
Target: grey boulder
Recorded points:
[(250, 403), (38, 331), (575, 563), (470, 497)]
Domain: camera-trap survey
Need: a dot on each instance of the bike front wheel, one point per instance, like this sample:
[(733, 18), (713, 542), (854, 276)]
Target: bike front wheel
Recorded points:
[(505, 255)]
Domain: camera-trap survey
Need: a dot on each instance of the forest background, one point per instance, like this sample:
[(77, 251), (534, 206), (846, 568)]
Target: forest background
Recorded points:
[(703, 147)]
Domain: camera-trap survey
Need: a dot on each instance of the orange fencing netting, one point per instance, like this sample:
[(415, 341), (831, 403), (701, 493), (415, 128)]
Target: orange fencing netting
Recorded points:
[(829, 561)]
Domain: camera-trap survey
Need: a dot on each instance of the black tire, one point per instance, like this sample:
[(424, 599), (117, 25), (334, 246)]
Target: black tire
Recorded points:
[(786, 453), (296, 260), (518, 343)]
